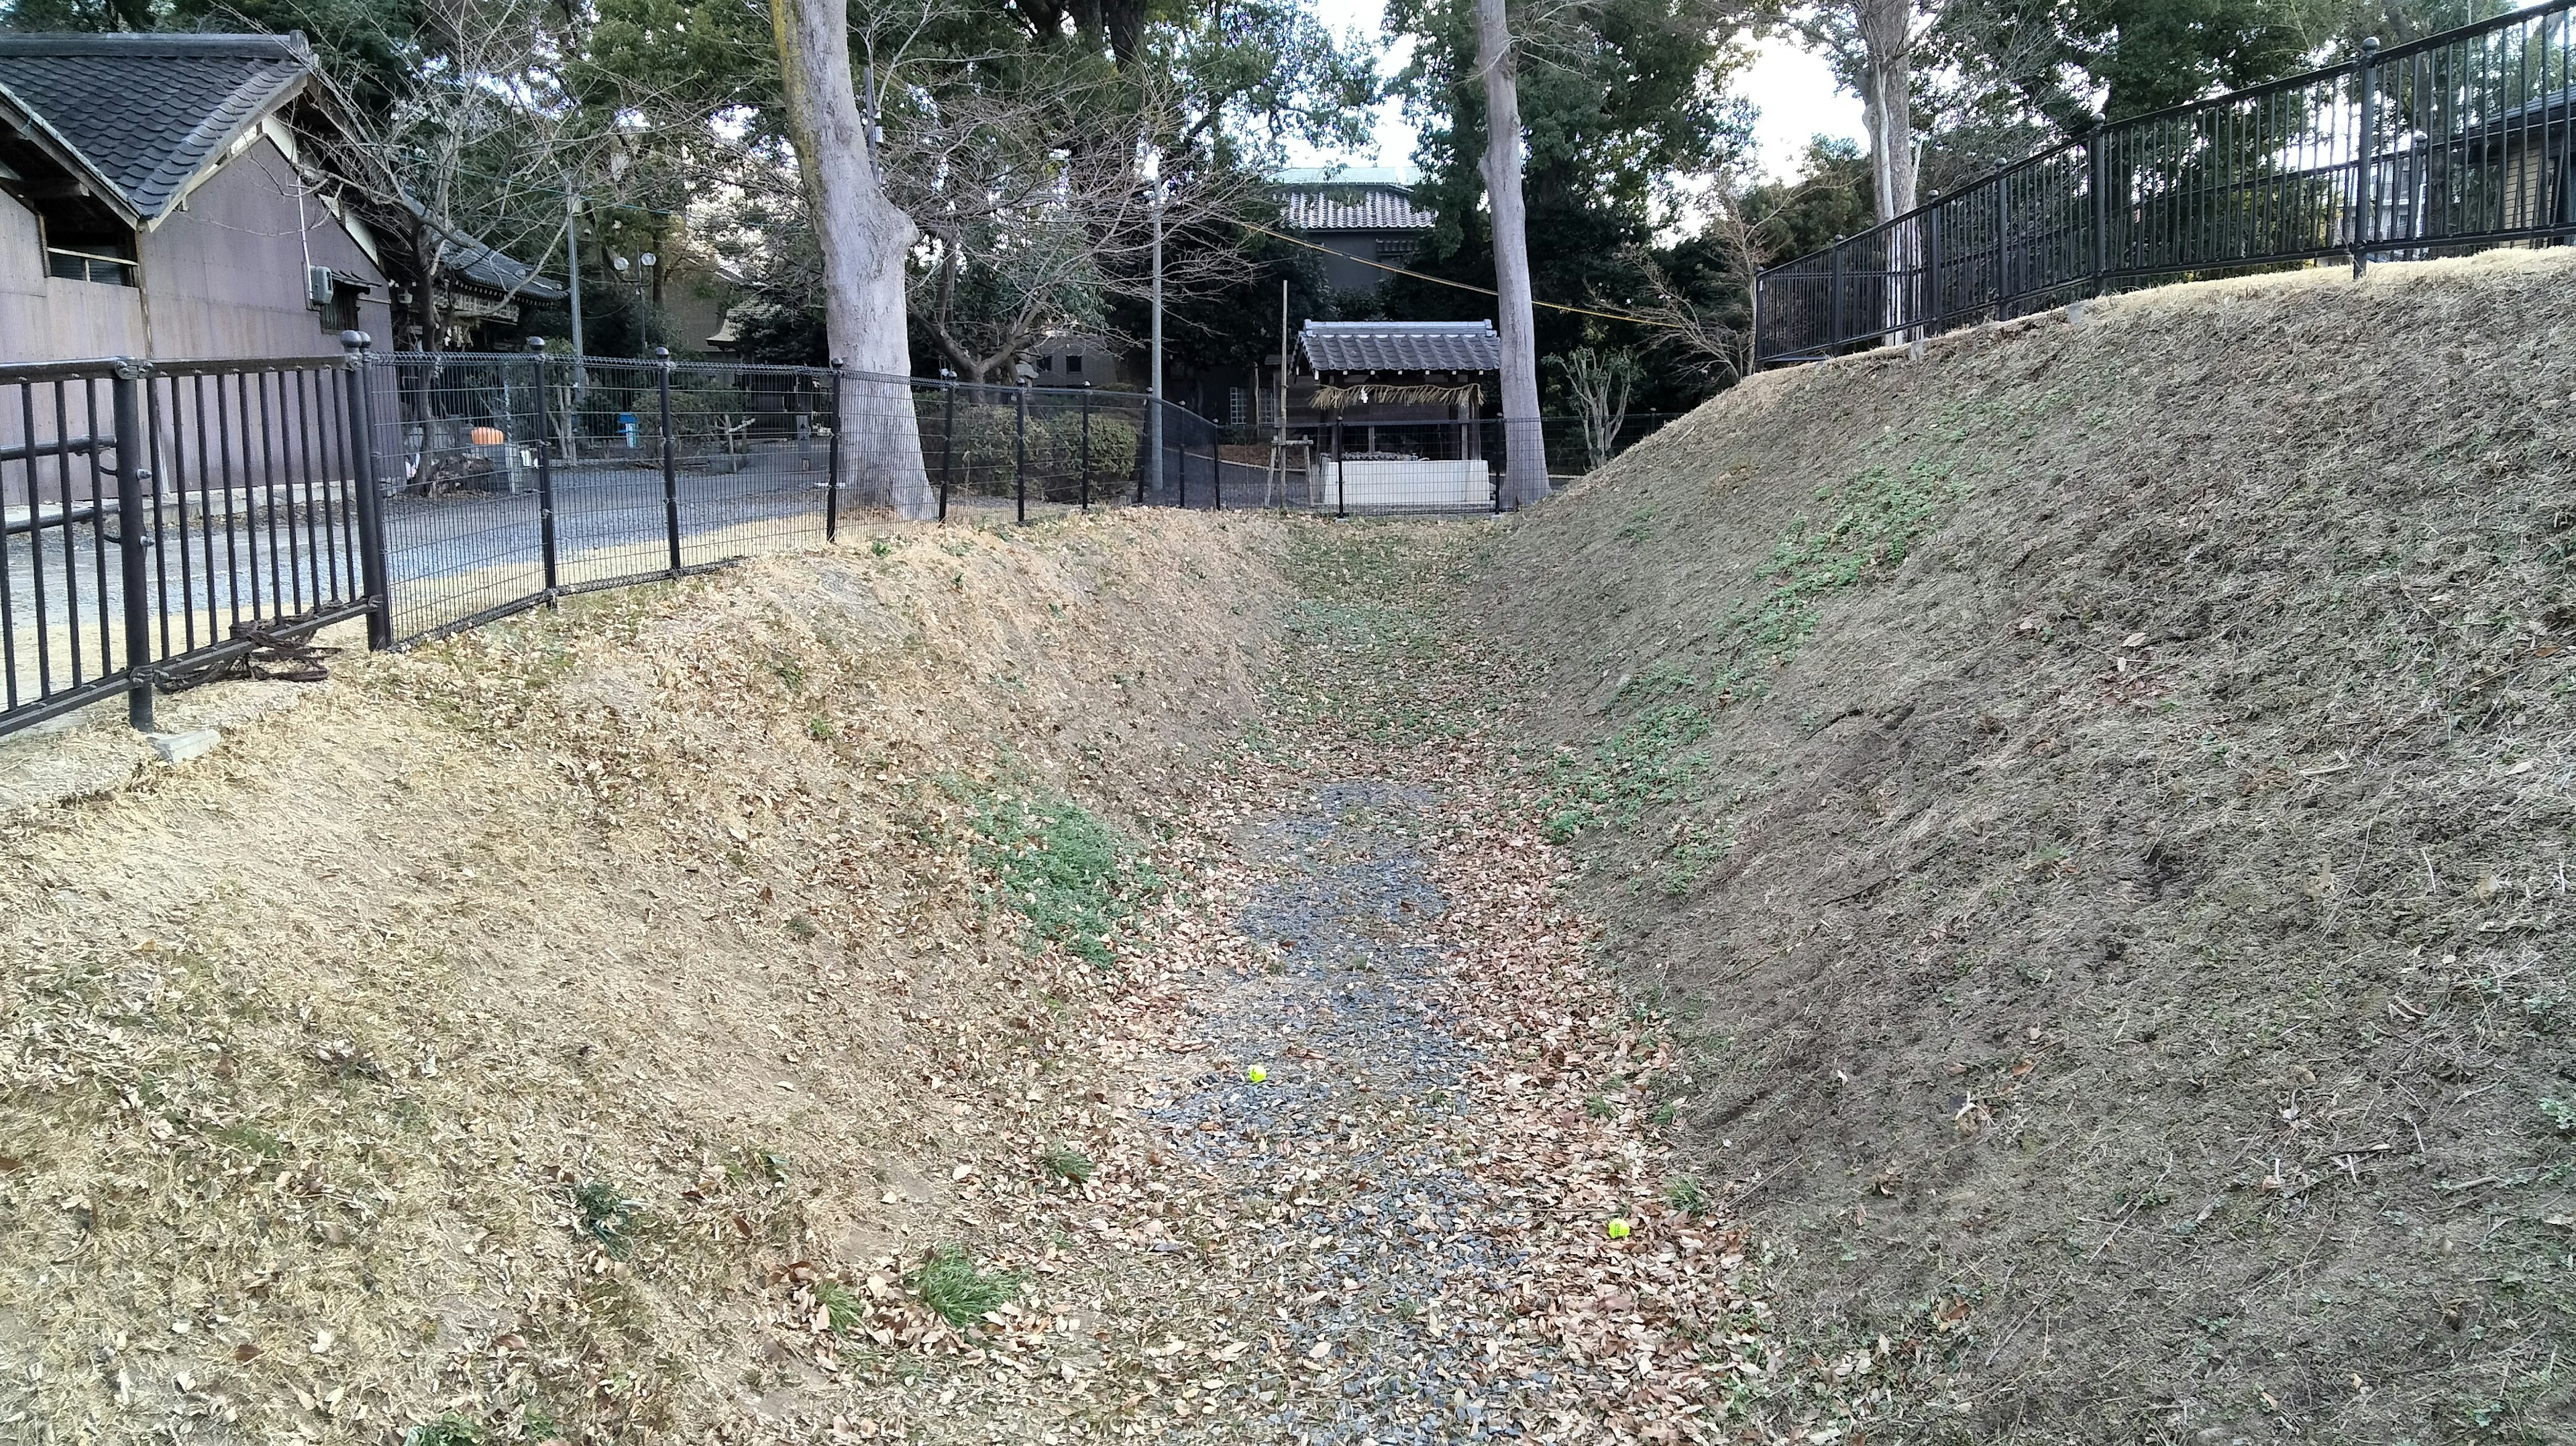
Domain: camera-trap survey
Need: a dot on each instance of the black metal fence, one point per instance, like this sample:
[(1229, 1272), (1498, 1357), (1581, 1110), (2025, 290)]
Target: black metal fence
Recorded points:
[(1412, 466), (164, 519), (2458, 142), (513, 479), (173, 513)]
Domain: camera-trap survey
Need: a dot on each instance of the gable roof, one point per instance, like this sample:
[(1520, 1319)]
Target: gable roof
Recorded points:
[(1402, 346), (1372, 200), (475, 262), (142, 117)]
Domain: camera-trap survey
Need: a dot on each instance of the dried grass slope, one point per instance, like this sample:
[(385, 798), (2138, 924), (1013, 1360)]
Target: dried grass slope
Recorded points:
[(528, 1036), (2100, 795)]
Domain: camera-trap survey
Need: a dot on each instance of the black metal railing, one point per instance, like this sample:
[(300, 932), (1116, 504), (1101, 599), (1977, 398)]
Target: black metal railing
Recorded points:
[(515, 479), (165, 517), (2458, 142), (168, 513)]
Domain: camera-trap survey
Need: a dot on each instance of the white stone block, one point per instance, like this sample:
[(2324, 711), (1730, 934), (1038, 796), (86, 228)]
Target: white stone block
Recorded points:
[(180, 747)]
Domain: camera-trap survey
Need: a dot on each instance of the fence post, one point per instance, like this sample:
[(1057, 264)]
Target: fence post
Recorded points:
[(2366, 183), (545, 465), (832, 460), (1341, 475), (947, 447), (1216, 467), (1184, 450), (1150, 436), (2097, 160), (1935, 307), (371, 503), (1086, 446), (1020, 455), (2003, 248), (133, 534), (1833, 312), (670, 463)]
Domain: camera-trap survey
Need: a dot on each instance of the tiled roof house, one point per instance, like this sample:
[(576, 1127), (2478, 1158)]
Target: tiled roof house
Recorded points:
[(154, 202), (1360, 216), (153, 205)]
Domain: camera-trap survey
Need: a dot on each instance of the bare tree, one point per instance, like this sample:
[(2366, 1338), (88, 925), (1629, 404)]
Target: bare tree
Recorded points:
[(863, 238), (1035, 215), (1601, 382), (463, 159), (1524, 453)]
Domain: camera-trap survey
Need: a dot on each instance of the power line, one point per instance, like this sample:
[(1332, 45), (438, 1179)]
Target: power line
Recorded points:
[(1461, 285)]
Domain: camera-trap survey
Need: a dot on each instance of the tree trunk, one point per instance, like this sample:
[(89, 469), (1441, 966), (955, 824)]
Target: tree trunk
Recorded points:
[(1524, 450), (1887, 110), (1887, 101), (863, 237)]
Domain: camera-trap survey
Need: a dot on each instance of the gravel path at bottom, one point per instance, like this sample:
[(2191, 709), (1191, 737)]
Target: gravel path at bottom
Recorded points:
[(1418, 1119), (1355, 1132)]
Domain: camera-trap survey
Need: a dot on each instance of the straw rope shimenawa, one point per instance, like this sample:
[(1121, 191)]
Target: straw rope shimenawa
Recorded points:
[(1335, 399)]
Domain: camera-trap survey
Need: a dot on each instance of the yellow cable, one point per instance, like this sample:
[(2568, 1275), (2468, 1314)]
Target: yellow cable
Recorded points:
[(1461, 285)]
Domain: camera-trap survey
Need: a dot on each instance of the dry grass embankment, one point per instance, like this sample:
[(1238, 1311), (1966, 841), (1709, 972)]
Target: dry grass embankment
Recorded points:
[(2101, 796), (541, 1031)]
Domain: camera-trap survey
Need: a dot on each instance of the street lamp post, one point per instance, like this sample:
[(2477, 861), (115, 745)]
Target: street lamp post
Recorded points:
[(643, 281)]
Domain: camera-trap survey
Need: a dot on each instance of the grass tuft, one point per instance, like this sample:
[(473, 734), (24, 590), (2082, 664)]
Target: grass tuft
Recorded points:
[(448, 1430), (842, 1304), (949, 1283), (606, 1215), (1066, 1162)]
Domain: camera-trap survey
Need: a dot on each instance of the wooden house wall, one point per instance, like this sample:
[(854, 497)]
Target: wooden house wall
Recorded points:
[(222, 278)]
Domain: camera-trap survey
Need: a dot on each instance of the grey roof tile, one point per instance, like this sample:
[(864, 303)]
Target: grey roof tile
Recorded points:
[(477, 262), (1352, 208), (145, 113), (1402, 346)]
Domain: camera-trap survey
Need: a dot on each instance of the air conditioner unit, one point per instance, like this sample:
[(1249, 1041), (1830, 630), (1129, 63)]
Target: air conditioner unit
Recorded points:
[(321, 287)]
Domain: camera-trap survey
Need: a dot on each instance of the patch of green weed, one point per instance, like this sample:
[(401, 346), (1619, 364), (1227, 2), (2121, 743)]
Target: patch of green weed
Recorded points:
[(448, 1430), (1061, 869), (250, 1139), (949, 1283), (841, 1305), (1647, 761), (605, 1215), (1872, 524)]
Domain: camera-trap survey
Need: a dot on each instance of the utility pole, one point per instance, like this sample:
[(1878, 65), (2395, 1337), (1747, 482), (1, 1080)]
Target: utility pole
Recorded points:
[(1279, 435), (1154, 384), (572, 273)]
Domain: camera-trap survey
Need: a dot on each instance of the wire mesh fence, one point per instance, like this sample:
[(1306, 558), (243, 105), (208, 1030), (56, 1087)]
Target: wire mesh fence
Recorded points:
[(164, 517), (1033, 451), (519, 478), (1359, 466), (2457, 142)]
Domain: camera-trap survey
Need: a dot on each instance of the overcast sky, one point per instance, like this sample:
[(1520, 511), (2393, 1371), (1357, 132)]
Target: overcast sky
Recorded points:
[(1795, 90)]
